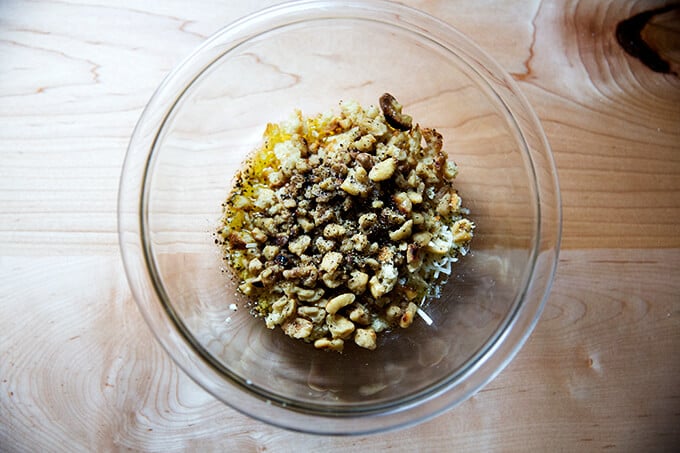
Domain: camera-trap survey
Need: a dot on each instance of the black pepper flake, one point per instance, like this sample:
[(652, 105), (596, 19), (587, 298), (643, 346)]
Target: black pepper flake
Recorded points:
[(281, 259)]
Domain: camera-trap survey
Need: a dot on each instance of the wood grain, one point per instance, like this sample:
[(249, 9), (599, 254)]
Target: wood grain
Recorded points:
[(601, 369), (79, 369)]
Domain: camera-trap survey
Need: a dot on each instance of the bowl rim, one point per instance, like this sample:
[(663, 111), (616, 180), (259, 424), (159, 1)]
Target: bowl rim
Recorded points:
[(133, 211)]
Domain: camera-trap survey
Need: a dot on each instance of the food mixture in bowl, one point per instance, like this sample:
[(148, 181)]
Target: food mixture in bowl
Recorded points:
[(341, 225)]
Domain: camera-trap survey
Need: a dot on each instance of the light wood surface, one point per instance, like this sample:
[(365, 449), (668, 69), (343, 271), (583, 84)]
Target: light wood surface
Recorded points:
[(80, 371)]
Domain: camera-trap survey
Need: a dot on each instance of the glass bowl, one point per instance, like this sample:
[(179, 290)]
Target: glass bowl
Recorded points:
[(210, 112)]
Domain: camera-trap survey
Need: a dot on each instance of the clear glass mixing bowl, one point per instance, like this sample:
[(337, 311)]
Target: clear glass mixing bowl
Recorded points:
[(211, 111)]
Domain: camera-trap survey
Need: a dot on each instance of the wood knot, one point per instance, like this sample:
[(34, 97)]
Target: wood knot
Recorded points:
[(646, 41)]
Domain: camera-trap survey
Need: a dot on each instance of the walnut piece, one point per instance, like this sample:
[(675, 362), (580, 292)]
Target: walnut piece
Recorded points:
[(392, 111)]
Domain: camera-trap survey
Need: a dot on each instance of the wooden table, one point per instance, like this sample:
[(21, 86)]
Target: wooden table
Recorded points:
[(79, 370)]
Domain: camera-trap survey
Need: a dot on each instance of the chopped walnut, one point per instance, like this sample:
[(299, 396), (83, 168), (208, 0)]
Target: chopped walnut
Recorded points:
[(334, 231), (315, 314), (255, 266), (309, 295), (407, 316), (298, 328), (366, 338), (354, 183), (331, 261), (383, 170), (360, 315), (281, 309), (336, 344), (299, 245), (339, 326), (403, 232), (339, 302), (357, 282), (341, 224), (367, 221), (392, 313)]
